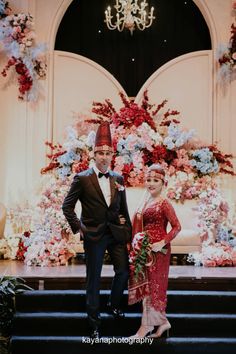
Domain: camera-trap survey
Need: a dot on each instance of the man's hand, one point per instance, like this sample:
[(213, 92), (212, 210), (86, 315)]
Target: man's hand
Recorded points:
[(128, 247), (81, 235), (122, 219)]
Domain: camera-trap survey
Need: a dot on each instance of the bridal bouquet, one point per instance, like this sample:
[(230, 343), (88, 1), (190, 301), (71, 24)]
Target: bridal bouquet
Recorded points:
[(140, 255)]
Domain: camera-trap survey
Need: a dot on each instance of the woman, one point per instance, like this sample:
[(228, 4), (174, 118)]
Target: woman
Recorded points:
[(151, 285)]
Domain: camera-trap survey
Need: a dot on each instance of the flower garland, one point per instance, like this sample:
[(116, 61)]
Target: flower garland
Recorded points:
[(28, 59), (226, 54)]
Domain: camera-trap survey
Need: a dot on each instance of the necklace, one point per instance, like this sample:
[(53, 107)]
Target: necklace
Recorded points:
[(152, 200)]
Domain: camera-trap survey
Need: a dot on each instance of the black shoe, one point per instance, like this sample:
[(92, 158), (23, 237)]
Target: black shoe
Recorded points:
[(116, 312), (95, 334)]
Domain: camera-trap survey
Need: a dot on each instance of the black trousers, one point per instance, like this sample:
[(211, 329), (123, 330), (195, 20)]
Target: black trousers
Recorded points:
[(94, 255)]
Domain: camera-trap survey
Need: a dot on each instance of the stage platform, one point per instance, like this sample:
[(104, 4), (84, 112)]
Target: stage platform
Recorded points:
[(73, 276)]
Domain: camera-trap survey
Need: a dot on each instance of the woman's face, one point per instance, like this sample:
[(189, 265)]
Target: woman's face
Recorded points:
[(154, 185)]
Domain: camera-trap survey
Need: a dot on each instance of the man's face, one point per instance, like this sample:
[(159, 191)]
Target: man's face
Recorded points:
[(103, 160)]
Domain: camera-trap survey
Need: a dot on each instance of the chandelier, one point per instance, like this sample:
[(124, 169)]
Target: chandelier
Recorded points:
[(130, 15)]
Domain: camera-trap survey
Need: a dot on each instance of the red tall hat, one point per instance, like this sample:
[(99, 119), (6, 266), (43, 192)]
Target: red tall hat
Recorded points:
[(103, 139)]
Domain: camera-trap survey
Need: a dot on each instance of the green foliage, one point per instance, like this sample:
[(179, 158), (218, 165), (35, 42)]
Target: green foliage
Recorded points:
[(9, 288), (141, 259)]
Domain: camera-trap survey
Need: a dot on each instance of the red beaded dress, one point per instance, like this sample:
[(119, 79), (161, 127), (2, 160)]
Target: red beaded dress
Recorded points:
[(152, 288)]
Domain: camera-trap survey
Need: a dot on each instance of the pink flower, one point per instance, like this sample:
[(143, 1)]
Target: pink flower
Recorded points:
[(171, 194), (209, 263), (233, 255), (234, 55)]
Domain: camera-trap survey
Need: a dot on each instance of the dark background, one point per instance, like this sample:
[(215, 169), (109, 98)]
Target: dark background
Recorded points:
[(179, 28)]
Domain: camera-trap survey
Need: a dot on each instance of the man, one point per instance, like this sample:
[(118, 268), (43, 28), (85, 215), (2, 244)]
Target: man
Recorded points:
[(104, 225)]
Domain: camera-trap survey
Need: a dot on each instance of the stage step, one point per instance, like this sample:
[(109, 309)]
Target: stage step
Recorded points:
[(75, 323), (75, 345), (54, 321), (178, 301)]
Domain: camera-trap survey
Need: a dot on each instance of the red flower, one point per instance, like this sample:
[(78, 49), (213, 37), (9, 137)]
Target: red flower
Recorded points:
[(21, 68), (80, 166), (20, 254), (147, 157), (126, 171), (132, 115), (159, 153)]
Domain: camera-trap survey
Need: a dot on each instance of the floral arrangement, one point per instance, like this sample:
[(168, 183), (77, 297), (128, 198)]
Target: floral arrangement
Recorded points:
[(28, 59), (48, 251), (186, 186), (218, 254), (227, 54), (42, 238), (51, 241), (5, 252), (204, 161), (218, 243), (21, 247), (140, 254), (151, 134), (148, 135), (212, 210), (72, 157)]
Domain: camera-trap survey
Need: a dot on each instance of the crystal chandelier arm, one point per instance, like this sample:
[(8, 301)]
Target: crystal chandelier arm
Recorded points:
[(119, 7), (108, 19), (132, 14), (120, 23), (142, 23), (151, 18)]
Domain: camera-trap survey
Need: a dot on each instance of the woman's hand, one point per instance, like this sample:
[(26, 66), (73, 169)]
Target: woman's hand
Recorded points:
[(157, 246)]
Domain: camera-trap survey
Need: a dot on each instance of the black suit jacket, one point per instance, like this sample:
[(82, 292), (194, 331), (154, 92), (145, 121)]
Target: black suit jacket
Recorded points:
[(96, 215)]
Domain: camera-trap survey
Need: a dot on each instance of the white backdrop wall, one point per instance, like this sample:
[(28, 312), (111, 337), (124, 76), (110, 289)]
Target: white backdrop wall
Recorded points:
[(188, 82), (79, 81)]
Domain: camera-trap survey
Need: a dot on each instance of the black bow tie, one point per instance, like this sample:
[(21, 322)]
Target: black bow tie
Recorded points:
[(100, 174)]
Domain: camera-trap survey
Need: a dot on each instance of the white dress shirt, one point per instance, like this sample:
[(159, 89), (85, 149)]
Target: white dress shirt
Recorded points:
[(105, 186)]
